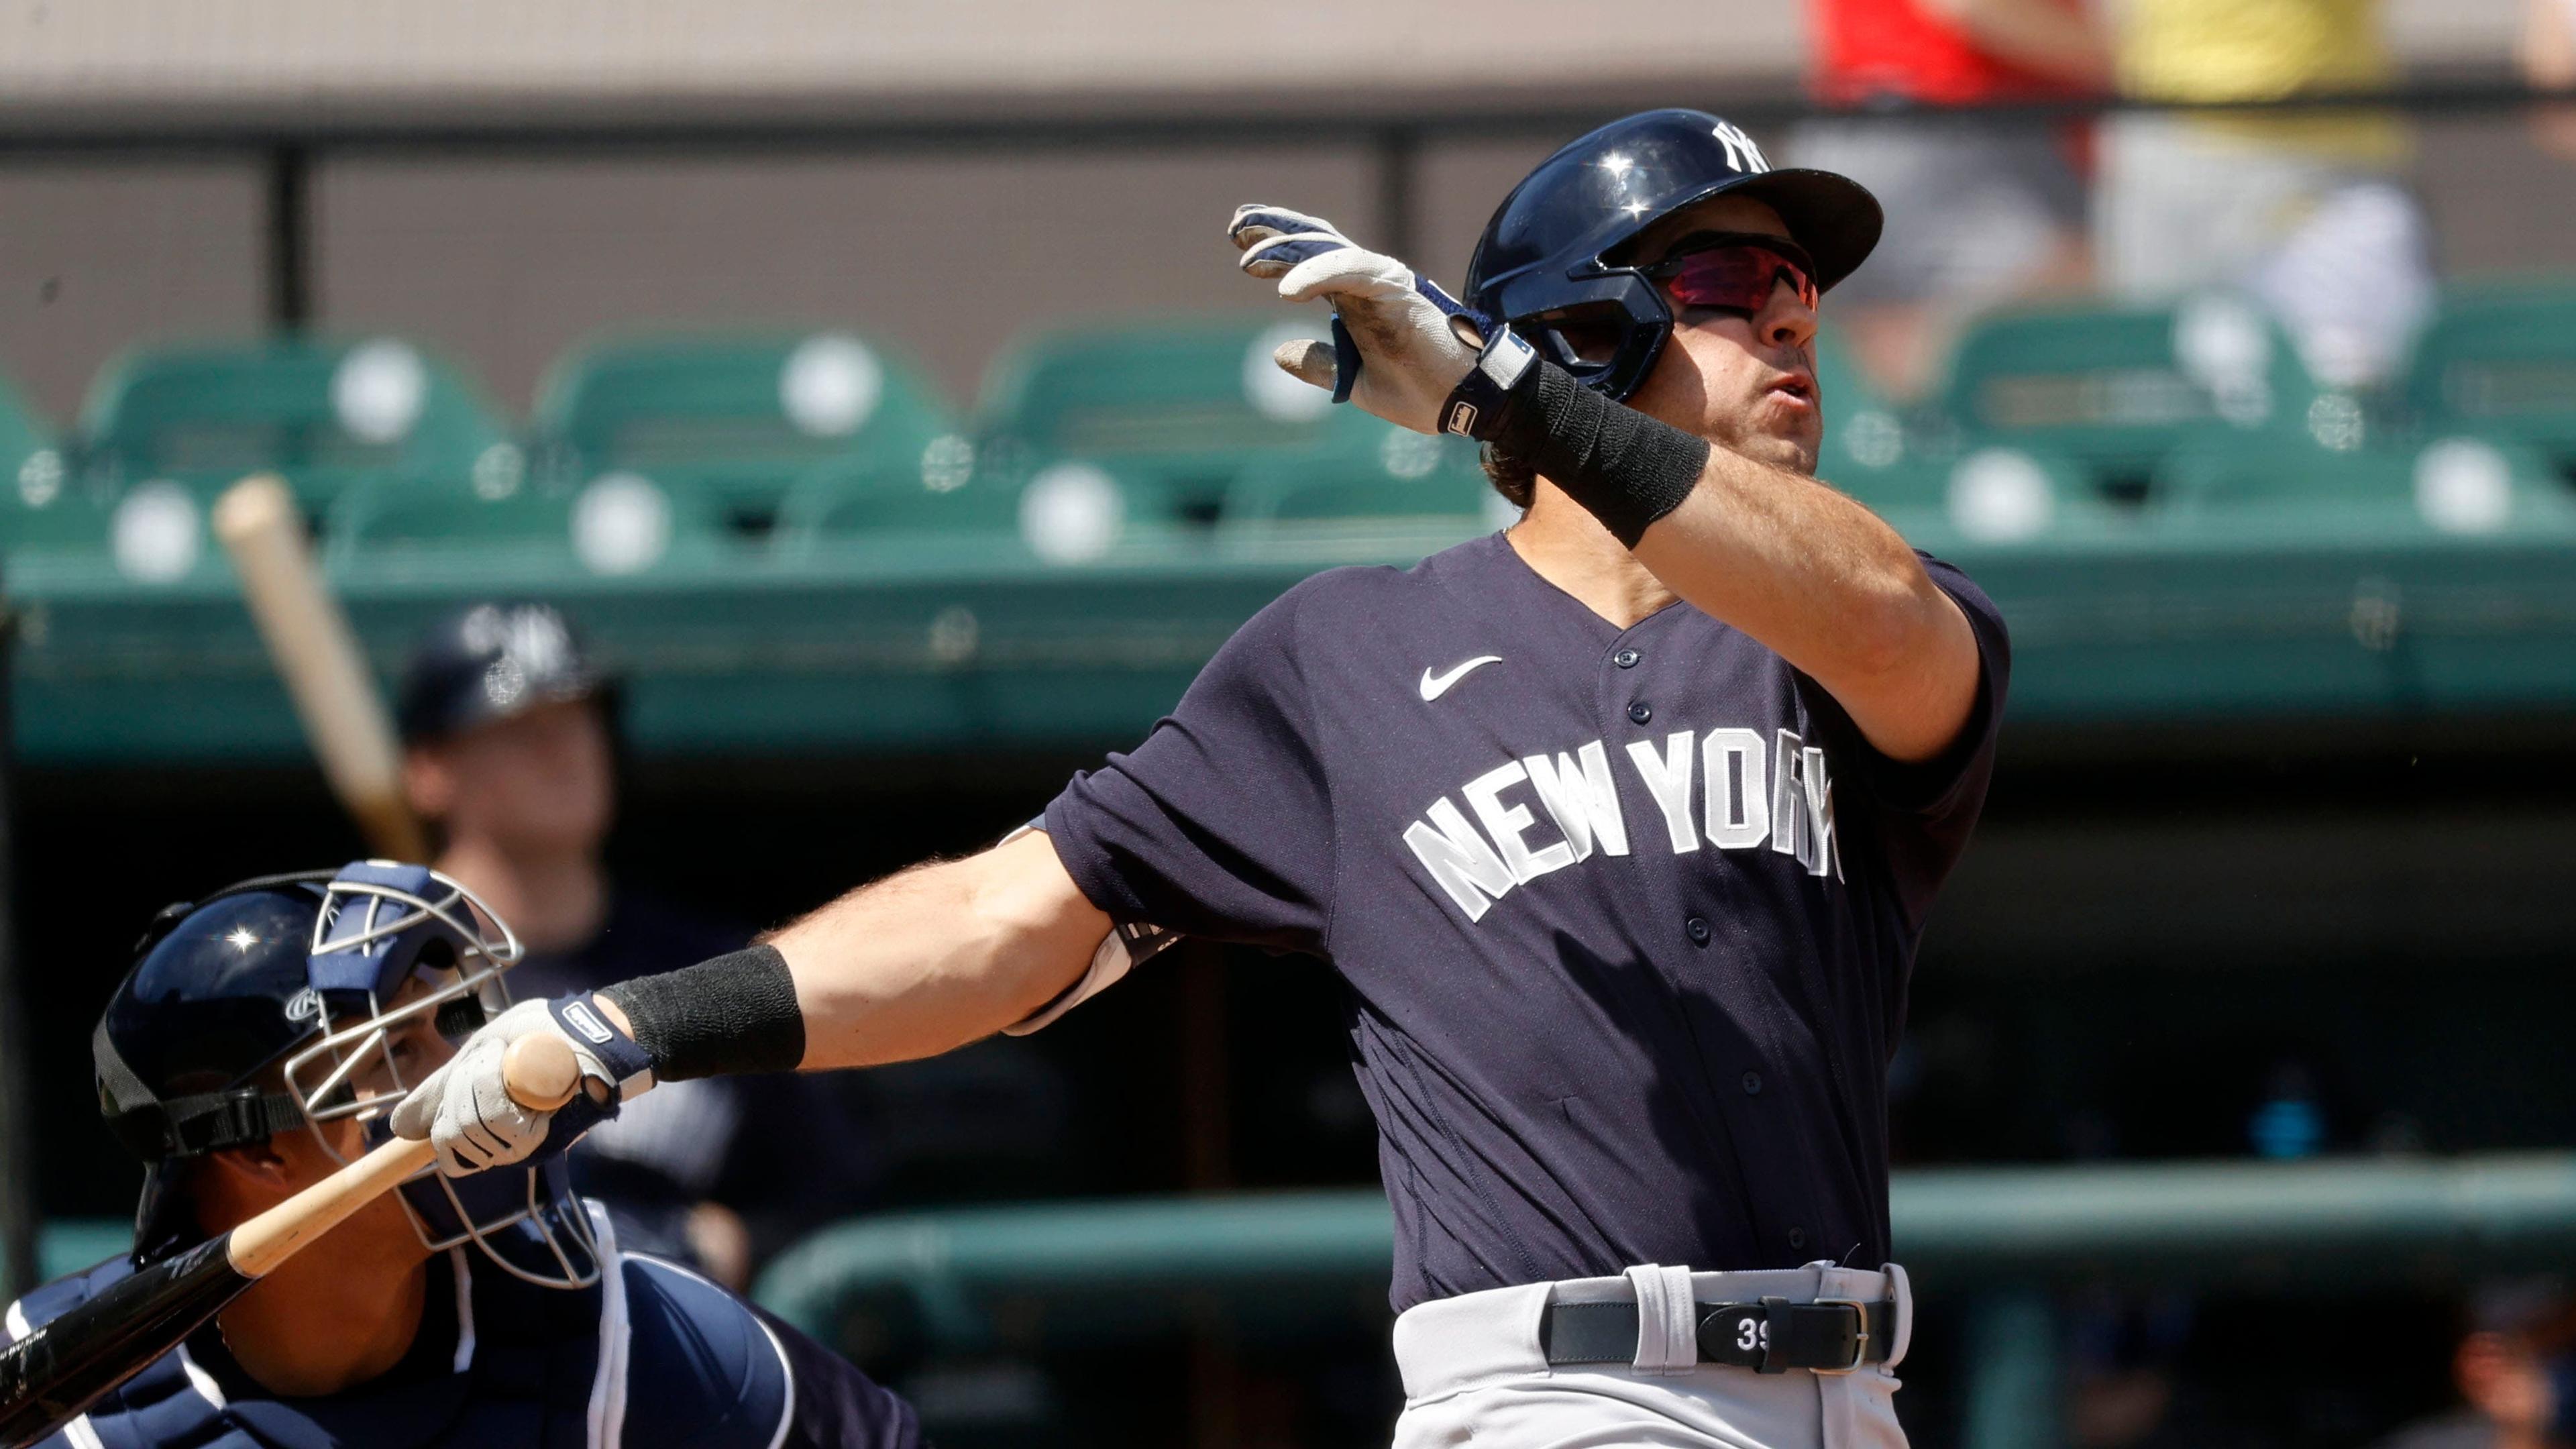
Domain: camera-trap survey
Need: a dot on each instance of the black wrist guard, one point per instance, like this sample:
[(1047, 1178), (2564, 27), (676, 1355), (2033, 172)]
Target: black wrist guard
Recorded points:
[(736, 1013), (1628, 469)]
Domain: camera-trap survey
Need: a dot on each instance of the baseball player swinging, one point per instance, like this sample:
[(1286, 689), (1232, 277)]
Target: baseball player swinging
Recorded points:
[(1619, 826)]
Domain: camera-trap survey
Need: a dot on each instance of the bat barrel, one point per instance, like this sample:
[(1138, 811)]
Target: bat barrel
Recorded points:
[(53, 1375)]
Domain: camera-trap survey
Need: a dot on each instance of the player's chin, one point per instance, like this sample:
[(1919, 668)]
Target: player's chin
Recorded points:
[(1784, 436)]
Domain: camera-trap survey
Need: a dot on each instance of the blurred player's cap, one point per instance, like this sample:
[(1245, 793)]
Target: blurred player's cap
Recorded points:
[(491, 661), (2531, 1307)]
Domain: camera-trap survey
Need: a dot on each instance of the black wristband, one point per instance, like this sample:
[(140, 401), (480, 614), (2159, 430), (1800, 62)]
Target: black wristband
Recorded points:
[(736, 1013), (1626, 468)]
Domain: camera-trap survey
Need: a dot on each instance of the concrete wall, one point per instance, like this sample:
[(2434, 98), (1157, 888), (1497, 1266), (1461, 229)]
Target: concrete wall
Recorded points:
[(372, 53), (504, 264), (376, 53)]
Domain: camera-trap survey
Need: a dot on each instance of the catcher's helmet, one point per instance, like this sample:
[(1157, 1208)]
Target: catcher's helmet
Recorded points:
[(1552, 255), (322, 983)]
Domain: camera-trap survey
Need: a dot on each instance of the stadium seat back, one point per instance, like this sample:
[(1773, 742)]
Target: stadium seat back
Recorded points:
[(1180, 406), (41, 504), (1367, 468), (619, 523), (853, 499), (2116, 390), (2501, 361), (324, 415), (1867, 451), (742, 417), (2001, 497), (1070, 511), (2454, 485)]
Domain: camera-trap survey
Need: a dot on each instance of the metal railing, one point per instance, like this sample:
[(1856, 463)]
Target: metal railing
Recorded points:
[(1028, 1278)]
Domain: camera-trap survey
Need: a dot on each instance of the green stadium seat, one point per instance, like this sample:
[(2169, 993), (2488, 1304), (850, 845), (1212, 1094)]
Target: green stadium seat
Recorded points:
[(2290, 490), (2500, 361), (1180, 407), (743, 416), (1071, 511), (1867, 451), (1366, 467), (43, 506), (1998, 497), (2116, 390), (152, 534), (855, 499), (1367, 489), (615, 524), (325, 415)]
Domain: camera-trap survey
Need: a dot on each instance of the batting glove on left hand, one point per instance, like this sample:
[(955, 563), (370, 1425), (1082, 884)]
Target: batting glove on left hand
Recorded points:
[(1395, 351), (465, 1108)]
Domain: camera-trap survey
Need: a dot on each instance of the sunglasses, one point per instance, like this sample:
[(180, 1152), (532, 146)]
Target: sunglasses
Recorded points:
[(1735, 270)]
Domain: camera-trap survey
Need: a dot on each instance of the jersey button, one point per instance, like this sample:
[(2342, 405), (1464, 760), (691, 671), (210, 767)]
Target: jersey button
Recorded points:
[(1797, 1237), (1697, 929), (1626, 658), (1753, 1084), (1640, 712)]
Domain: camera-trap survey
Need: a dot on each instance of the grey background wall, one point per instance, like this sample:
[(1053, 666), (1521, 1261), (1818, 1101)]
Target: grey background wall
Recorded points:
[(505, 263)]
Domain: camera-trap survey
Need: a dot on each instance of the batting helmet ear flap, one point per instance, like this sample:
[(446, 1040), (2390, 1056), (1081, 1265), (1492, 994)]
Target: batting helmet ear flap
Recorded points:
[(1606, 329)]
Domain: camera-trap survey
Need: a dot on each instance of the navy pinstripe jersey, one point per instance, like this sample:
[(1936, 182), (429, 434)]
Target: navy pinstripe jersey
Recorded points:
[(1625, 917)]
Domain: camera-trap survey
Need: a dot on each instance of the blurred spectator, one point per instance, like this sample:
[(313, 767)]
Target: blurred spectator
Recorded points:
[(2304, 211), (2548, 56), (2121, 1389), (1978, 209), (2516, 1373), (509, 753)]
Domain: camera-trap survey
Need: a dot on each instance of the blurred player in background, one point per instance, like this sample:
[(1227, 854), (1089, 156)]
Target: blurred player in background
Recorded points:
[(1979, 209), (2516, 1374), (251, 1051), (510, 753), (2547, 55), (2309, 213)]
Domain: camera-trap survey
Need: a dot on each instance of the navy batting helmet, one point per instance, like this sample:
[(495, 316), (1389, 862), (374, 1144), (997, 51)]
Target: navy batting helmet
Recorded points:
[(287, 1002), (1552, 257), (490, 661)]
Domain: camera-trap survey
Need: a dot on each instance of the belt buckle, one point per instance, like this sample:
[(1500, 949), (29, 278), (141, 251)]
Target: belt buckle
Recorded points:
[(1860, 1334)]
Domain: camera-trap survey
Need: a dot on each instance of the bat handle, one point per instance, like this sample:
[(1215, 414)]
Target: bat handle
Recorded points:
[(262, 1242), (540, 1072)]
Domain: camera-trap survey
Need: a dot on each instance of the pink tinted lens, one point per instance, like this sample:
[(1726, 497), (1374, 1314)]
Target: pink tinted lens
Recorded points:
[(1739, 277)]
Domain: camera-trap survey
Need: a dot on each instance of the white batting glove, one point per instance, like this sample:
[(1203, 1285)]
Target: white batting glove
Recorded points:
[(465, 1108), (1395, 352)]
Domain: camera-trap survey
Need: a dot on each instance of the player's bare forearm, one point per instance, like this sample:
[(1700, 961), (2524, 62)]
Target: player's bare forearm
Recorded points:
[(938, 955), (1832, 588), (914, 965)]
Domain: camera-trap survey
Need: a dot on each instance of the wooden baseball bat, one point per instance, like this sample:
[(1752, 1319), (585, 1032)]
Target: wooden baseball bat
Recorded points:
[(310, 642), (54, 1374)]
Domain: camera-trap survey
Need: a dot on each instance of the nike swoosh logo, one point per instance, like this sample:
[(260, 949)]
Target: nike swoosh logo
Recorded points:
[(1436, 685)]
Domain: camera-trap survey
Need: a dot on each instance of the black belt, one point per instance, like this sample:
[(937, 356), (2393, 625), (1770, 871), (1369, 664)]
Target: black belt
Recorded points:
[(1836, 1335)]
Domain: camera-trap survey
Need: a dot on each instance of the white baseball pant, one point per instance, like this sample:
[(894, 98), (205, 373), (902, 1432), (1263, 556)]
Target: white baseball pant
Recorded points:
[(1474, 1372)]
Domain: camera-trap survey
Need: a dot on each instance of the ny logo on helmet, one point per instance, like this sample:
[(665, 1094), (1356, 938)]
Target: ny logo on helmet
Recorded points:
[(1741, 153)]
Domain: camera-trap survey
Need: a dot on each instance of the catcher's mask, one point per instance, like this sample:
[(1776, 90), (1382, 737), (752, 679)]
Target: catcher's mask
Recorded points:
[(351, 986)]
